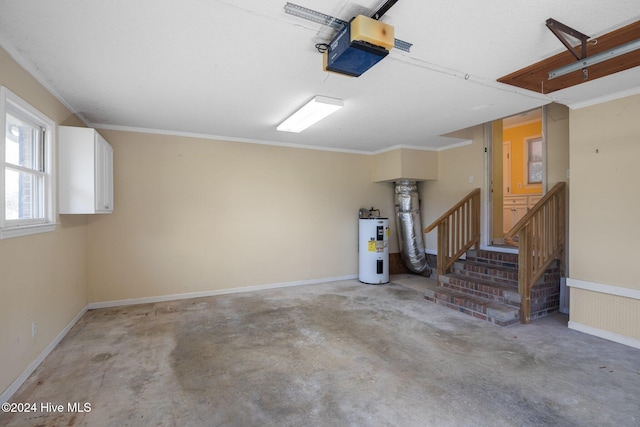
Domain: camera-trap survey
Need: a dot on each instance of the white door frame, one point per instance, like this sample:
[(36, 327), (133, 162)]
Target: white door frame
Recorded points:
[(487, 205)]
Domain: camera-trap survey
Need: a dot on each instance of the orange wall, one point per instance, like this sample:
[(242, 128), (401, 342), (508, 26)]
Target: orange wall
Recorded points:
[(517, 136)]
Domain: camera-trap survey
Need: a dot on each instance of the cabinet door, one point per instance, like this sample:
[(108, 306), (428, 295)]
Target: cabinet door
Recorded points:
[(511, 215), (518, 213), (104, 175)]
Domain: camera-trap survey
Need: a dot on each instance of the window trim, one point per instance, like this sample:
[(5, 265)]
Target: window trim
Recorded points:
[(10, 228), (526, 172)]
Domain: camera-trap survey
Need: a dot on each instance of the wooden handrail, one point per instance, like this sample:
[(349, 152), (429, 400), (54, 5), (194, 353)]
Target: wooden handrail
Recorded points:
[(541, 240), (445, 215), (458, 231)]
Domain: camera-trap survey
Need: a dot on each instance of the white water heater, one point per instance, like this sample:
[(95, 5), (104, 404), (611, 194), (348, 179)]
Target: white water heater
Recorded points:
[(373, 249)]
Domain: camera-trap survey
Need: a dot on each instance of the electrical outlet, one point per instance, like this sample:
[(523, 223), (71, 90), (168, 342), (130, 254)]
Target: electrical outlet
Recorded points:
[(34, 329)]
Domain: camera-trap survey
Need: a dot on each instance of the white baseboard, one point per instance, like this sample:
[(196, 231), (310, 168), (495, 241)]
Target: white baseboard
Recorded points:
[(6, 395), (601, 333), (175, 297)]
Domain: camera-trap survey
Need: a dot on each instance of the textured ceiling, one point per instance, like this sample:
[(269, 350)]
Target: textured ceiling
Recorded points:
[(236, 69)]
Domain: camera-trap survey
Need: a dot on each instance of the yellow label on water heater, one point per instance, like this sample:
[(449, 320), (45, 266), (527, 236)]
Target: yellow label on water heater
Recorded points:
[(372, 246)]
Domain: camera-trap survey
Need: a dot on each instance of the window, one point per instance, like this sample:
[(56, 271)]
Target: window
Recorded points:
[(534, 161), (27, 180)]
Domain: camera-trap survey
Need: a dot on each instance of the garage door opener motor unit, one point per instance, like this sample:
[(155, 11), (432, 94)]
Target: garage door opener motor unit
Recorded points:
[(358, 46)]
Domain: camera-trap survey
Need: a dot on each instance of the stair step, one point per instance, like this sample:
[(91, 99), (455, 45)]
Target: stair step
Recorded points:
[(480, 308), (485, 286), (493, 258), (498, 292), (487, 272)]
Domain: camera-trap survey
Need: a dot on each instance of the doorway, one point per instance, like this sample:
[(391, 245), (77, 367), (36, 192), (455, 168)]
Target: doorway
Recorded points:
[(517, 171)]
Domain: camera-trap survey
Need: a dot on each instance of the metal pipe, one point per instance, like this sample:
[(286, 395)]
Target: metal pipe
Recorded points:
[(409, 227)]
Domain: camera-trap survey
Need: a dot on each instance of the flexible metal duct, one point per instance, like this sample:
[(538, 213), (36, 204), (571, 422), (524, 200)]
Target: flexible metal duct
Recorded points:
[(409, 227)]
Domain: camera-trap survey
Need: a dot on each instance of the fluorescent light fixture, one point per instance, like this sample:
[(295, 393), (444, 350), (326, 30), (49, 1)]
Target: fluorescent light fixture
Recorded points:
[(595, 59), (313, 111)]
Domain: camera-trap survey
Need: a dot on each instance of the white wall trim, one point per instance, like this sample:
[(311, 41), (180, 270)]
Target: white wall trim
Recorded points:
[(153, 131), (6, 395), (462, 143), (27, 230), (501, 249), (175, 297), (459, 142), (601, 333), (456, 142), (604, 289)]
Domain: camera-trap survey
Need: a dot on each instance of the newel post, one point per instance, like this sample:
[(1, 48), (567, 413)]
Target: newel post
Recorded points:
[(525, 259)]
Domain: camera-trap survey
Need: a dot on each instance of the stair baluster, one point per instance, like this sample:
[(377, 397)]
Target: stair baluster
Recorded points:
[(458, 231), (541, 240)]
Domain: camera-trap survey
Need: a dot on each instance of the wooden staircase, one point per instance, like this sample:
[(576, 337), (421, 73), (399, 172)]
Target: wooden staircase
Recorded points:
[(500, 287), (485, 286)]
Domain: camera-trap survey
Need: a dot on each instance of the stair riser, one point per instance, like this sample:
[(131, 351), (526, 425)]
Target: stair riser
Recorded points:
[(501, 276), (485, 286), (476, 310), (493, 258), (538, 309), (469, 269), (543, 297), (509, 297)]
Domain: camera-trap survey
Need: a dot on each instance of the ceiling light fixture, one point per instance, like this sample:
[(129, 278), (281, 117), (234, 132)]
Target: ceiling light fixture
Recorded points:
[(312, 112)]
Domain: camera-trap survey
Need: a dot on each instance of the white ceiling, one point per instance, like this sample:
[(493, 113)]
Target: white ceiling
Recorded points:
[(235, 69)]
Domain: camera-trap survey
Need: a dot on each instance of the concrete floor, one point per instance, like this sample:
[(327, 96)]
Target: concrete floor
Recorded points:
[(335, 354)]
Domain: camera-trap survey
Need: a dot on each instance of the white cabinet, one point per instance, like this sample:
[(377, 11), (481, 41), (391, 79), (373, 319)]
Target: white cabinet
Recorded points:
[(511, 215), (515, 208), (85, 172)]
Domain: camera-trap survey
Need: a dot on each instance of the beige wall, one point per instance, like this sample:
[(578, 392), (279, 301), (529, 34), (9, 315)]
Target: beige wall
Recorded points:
[(195, 215), (605, 209), (557, 134), (190, 215), (405, 164), (43, 277), (455, 166)]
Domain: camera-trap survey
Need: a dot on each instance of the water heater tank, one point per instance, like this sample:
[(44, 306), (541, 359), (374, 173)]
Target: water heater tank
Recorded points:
[(373, 249)]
